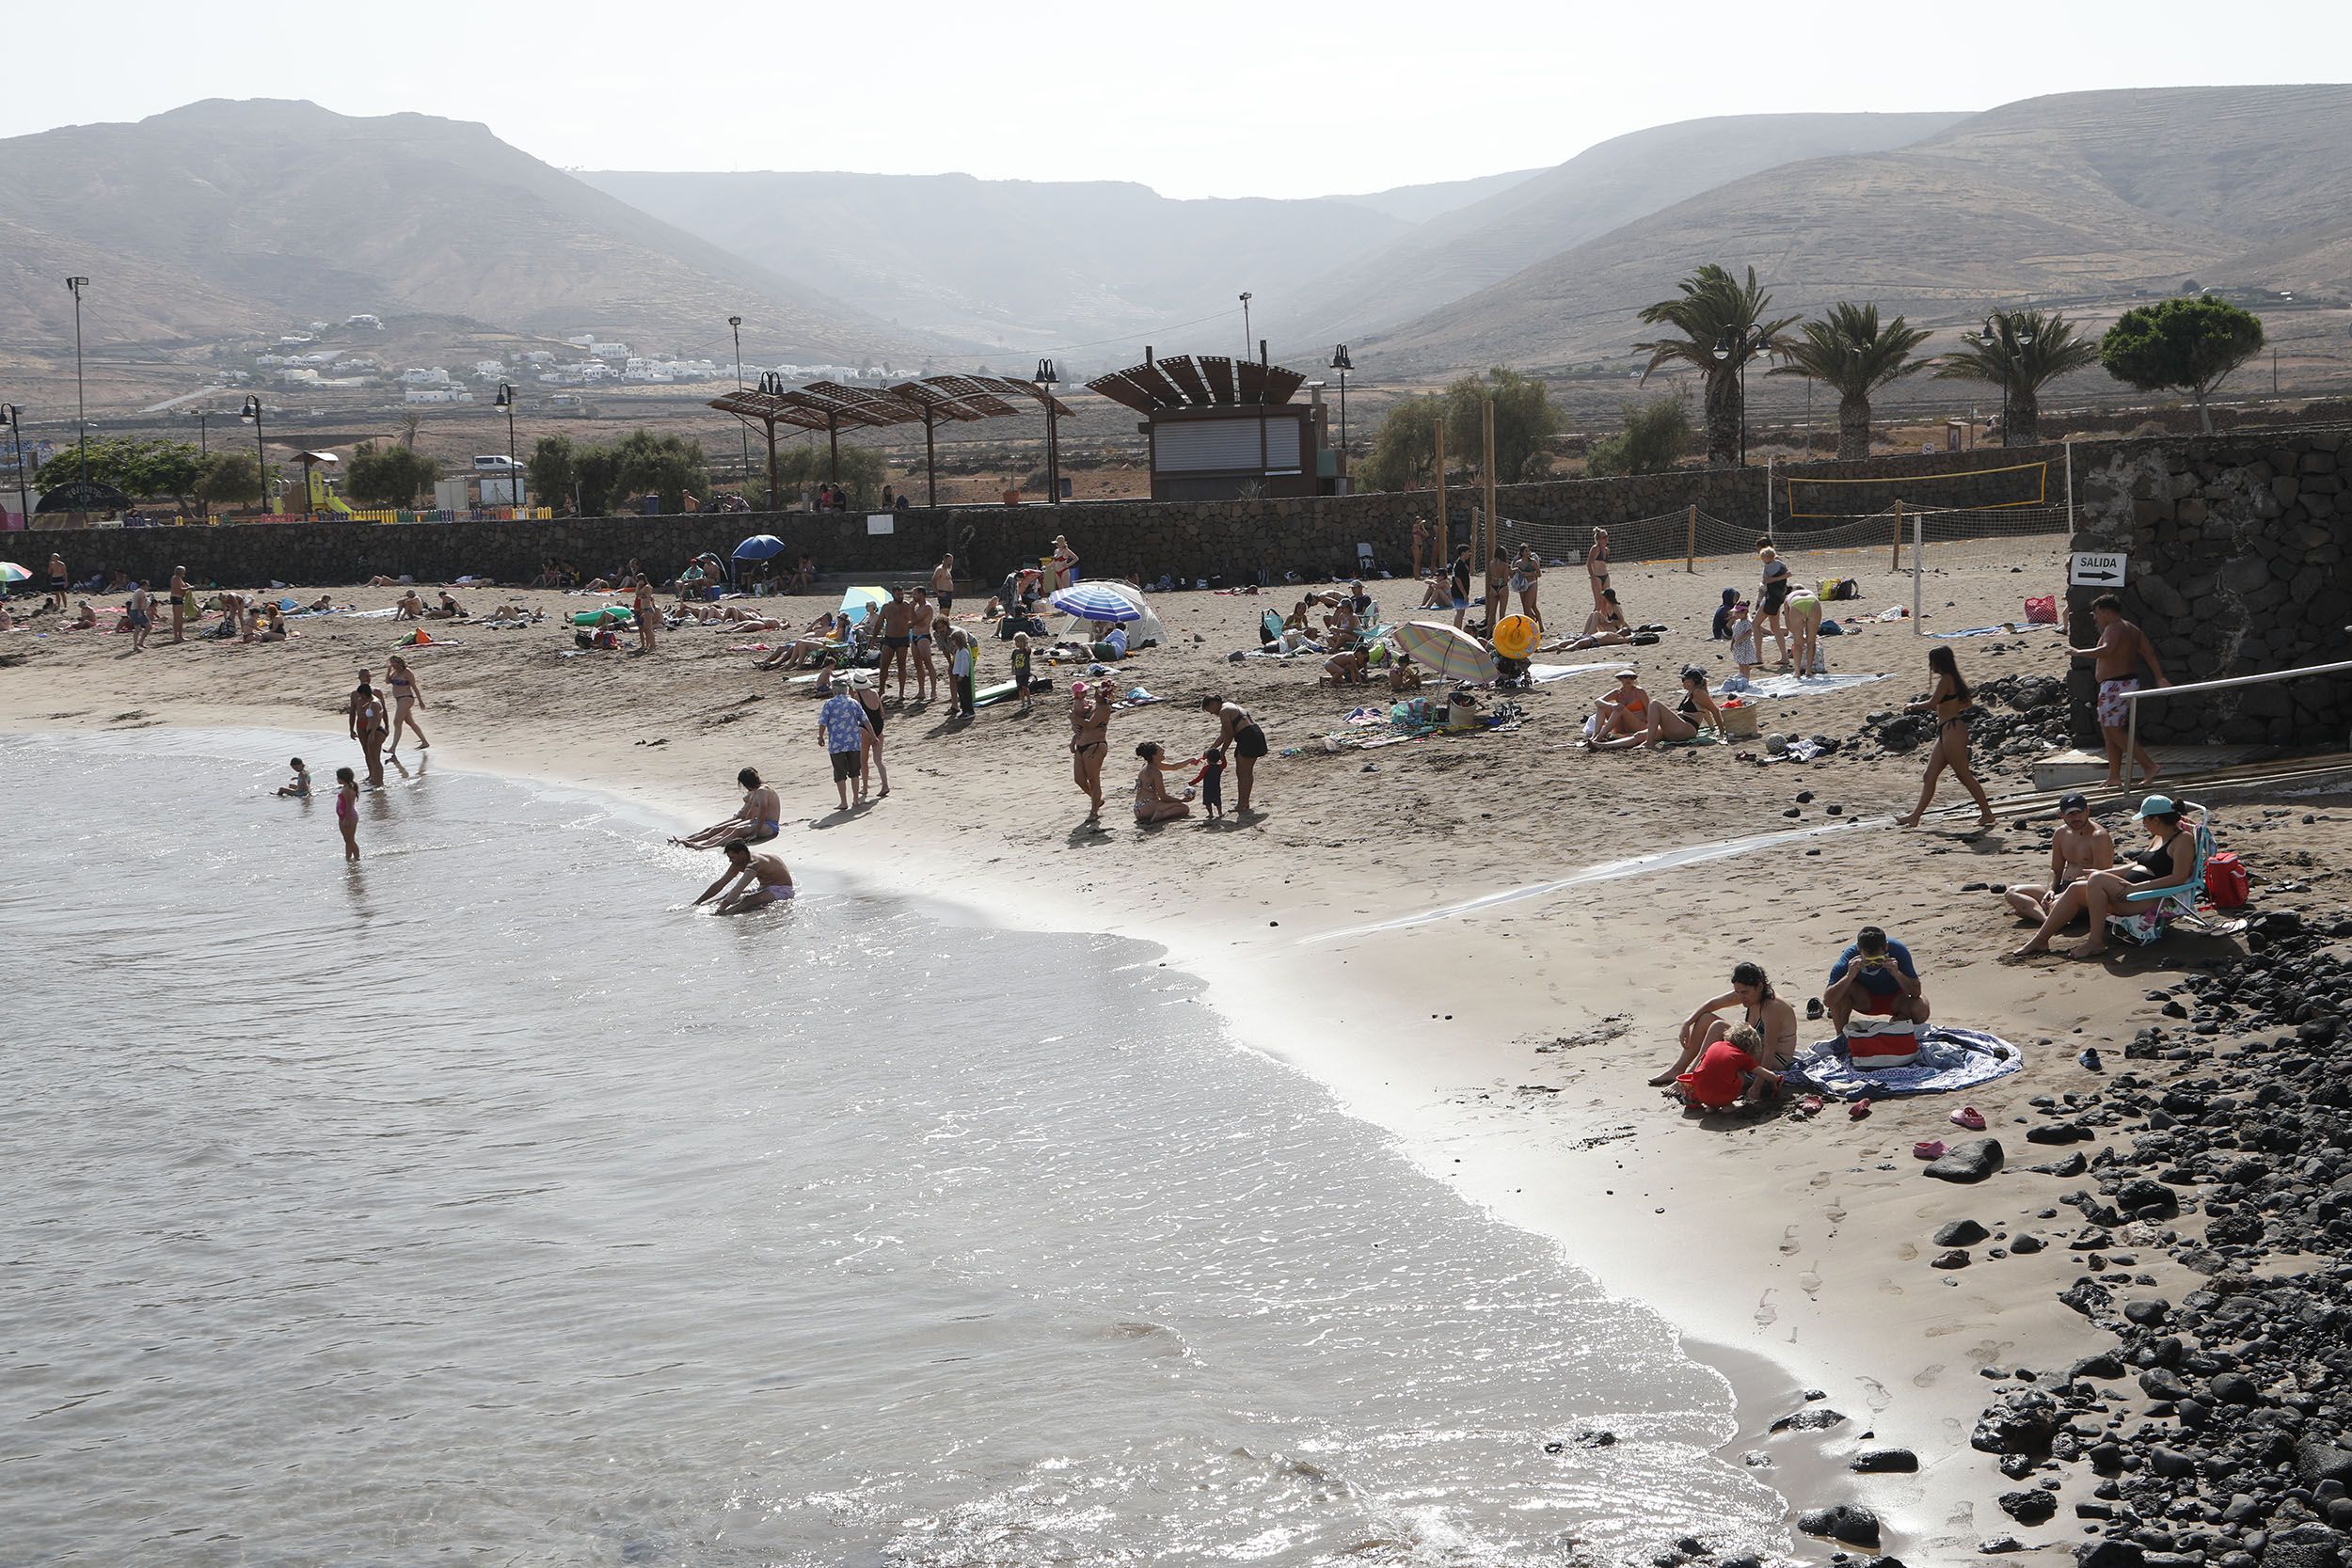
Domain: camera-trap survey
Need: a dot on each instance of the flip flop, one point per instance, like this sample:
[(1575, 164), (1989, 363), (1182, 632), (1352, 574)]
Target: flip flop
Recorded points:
[(1811, 1104), (1930, 1149), (1859, 1109), (1970, 1117)]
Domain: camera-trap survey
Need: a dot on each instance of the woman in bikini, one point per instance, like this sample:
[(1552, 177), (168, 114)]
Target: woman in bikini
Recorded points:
[(1769, 618), (1421, 546), (1239, 737), (407, 694), (1805, 631), (1153, 803), (1498, 588), (1089, 737), (365, 714), (1622, 718), (1953, 706), (1771, 1016), (649, 615), (1597, 565), (1527, 576), (2170, 861), (1065, 563), (758, 821), (870, 700), (1694, 711)]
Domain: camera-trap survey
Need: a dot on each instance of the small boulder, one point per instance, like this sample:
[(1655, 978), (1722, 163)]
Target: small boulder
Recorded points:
[(1972, 1161), (1961, 1233), (1880, 1461), (1851, 1523), (2031, 1506)]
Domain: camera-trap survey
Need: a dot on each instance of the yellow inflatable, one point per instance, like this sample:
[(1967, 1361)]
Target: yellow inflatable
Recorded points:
[(1515, 636)]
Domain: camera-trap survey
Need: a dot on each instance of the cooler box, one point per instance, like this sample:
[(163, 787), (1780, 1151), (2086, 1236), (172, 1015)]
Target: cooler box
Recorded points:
[(1882, 1042)]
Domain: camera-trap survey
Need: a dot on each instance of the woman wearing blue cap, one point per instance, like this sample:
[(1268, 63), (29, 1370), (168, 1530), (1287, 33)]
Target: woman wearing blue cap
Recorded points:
[(2167, 865)]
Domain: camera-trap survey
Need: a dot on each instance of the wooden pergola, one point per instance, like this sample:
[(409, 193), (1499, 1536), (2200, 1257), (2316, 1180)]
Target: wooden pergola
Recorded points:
[(828, 405)]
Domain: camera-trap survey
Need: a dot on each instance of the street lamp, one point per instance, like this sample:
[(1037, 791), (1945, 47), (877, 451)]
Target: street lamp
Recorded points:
[(514, 472), (734, 324), (203, 432), (1045, 379), (1342, 363), (12, 416), (1246, 338), (81, 411), (252, 411), (2011, 331), (1747, 343)]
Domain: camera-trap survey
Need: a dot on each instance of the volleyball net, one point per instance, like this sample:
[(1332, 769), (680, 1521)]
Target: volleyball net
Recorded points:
[(2016, 485)]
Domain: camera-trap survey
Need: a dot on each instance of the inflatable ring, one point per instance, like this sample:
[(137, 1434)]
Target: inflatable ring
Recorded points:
[(1515, 636)]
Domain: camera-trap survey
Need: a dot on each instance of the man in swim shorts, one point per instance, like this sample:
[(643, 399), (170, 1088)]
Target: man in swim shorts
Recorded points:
[(765, 879), (2121, 650), (841, 724), (897, 636), (1874, 976)]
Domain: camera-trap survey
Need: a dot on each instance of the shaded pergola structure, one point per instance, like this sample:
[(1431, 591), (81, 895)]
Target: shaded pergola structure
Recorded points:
[(1219, 428), (829, 406)]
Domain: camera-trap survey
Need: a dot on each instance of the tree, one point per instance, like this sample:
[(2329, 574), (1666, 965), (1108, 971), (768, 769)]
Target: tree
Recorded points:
[(800, 468), (1524, 418), (1404, 448), (1851, 353), (229, 479), (669, 466), (140, 468), (1656, 434), (553, 470), (1716, 311), (2189, 344), (2030, 349), (388, 476)]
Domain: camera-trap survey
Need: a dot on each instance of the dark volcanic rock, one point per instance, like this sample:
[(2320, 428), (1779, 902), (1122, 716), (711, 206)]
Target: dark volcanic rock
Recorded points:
[(1819, 1417), (1851, 1523), (1961, 1233), (2029, 1507), (1874, 1461), (1972, 1161)]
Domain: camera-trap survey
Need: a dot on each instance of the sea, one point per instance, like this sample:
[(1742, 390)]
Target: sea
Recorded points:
[(485, 1202)]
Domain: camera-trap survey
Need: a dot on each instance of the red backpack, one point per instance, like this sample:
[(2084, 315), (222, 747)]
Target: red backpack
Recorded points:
[(2226, 882)]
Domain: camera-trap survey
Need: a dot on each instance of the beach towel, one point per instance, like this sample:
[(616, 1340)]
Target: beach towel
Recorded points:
[(1796, 686), (1949, 1059), (1540, 673)]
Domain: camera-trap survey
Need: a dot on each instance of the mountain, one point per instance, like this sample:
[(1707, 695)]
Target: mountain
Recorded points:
[(1608, 185), (1419, 204), (2085, 196), (1017, 262), (225, 218)]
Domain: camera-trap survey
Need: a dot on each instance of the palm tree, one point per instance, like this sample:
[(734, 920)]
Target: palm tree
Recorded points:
[(2020, 352), (1719, 319), (1850, 351)]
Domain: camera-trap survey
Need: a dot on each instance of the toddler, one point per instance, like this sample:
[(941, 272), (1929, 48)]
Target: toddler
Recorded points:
[(1212, 781), (299, 787)]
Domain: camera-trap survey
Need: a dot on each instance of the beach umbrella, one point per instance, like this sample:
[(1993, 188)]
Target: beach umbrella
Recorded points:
[(759, 547), (11, 573), (1095, 601), (858, 602), (1453, 653)]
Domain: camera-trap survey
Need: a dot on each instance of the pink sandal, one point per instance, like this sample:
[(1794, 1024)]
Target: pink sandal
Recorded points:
[(1930, 1149), (1970, 1117), (1859, 1109)]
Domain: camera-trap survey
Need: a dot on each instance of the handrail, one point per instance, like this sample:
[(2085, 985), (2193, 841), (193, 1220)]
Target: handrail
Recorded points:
[(2130, 744)]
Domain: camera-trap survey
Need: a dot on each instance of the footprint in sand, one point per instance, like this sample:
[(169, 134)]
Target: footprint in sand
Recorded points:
[(1765, 1313), (1809, 1283), (1925, 1377), (1789, 1247), (1907, 1251), (1879, 1399)]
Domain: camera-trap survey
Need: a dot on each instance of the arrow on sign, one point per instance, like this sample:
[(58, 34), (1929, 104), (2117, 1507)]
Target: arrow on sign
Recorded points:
[(2096, 575)]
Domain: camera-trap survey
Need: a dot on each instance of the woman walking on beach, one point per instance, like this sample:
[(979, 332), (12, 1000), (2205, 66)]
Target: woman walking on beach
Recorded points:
[(1774, 595), (1527, 573), (348, 811), (1597, 565), (1089, 739), (871, 764), (1237, 737), (368, 726), (1953, 706), (406, 695), (179, 591)]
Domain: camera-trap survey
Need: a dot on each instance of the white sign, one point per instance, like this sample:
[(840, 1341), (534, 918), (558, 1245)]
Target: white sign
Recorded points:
[(2096, 569), (881, 522)]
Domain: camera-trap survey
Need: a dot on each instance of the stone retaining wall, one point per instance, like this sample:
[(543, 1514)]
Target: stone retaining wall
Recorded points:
[(2237, 546)]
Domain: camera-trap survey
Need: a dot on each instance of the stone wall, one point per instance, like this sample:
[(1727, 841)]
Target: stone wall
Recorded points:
[(1315, 537), (2237, 546)]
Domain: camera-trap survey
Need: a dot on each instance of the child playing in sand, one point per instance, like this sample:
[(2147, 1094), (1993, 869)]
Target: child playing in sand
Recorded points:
[(347, 811), (1021, 669), (1728, 1072), (1212, 781), (297, 787), (1742, 632)]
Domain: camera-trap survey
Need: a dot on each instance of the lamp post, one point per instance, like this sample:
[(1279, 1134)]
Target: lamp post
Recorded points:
[(2009, 332), (1246, 338), (1342, 363), (734, 324), (1046, 377), (1747, 343), (514, 471), (11, 417), (252, 410), (81, 410), (203, 432)]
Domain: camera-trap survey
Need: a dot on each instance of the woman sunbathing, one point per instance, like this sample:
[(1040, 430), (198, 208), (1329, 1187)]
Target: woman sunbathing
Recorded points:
[(1622, 718)]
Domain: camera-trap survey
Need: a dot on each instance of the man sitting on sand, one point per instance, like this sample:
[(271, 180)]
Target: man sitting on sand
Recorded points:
[(1874, 976), (408, 607), (2080, 846), (765, 878), (1773, 1020)]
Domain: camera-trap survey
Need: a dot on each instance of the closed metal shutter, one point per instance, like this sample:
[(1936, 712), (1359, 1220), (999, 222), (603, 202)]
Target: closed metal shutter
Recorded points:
[(1226, 446)]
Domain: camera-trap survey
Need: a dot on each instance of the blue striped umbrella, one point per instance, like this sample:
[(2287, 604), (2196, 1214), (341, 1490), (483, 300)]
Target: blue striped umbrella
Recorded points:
[(1095, 601)]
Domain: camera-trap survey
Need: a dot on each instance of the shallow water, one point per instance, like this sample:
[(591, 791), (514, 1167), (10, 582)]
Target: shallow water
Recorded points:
[(482, 1203)]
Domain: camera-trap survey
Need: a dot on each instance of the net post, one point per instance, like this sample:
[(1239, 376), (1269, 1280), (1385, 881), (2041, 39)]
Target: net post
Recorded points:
[(1494, 523), (1445, 521), (2068, 444), (1894, 561), (1918, 561), (1690, 541)]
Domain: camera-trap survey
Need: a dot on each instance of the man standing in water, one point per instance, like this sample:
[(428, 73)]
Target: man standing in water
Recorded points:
[(368, 726), (2123, 648)]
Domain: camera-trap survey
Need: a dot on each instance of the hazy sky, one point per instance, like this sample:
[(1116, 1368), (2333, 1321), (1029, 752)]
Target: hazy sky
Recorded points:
[(1205, 98)]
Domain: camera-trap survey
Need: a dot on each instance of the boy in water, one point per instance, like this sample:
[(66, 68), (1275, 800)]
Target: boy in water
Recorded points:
[(767, 881), (299, 787), (1212, 781)]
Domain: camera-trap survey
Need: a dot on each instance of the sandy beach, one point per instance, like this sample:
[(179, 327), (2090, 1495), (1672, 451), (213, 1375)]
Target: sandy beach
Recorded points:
[(1506, 1044)]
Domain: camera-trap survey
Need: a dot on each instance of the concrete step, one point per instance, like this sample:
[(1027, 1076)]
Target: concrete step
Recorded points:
[(2082, 770)]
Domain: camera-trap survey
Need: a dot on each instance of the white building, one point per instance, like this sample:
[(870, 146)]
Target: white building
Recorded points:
[(432, 376), (609, 351), (298, 377), (436, 394), (490, 370), (537, 356), (586, 339), (374, 323)]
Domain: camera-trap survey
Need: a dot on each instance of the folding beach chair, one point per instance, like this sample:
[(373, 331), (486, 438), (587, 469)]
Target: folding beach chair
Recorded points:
[(2157, 911)]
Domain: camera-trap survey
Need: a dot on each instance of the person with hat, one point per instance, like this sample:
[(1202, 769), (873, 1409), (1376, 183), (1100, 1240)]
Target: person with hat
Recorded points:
[(2168, 866), (1622, 717), (2080, 846)]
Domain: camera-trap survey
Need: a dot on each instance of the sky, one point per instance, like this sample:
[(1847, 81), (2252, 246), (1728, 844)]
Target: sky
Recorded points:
[(1205, 98)]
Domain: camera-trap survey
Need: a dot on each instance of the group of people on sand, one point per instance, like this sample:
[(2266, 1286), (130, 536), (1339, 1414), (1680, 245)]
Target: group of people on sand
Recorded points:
[(1240, 740)]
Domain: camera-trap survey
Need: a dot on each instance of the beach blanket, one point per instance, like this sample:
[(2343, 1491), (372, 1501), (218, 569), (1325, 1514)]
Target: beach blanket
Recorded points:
[(2012, 630), (1949, 1059), (1795, 686), (1540, 673)]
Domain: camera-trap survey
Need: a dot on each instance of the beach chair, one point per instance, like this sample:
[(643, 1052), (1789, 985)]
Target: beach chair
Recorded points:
[(2157, 911)]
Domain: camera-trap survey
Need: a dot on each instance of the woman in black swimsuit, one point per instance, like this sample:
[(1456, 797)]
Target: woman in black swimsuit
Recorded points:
[(1953, 706), (1239, 737), (870, 700), (1089, 738), (2168, 862)]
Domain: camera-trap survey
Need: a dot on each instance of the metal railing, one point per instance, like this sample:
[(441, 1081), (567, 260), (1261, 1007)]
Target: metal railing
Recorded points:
[(2130, 744)]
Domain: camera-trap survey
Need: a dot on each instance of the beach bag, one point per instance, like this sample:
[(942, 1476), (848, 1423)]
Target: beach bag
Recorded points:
[(1877, 1043), (1739, 721), (2041, 612), (2226, 882), (1269, 628)]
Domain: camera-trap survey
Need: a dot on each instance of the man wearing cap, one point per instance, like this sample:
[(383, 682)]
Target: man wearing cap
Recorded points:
[(1874, 976), (2079, 846), (2121, 650)]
